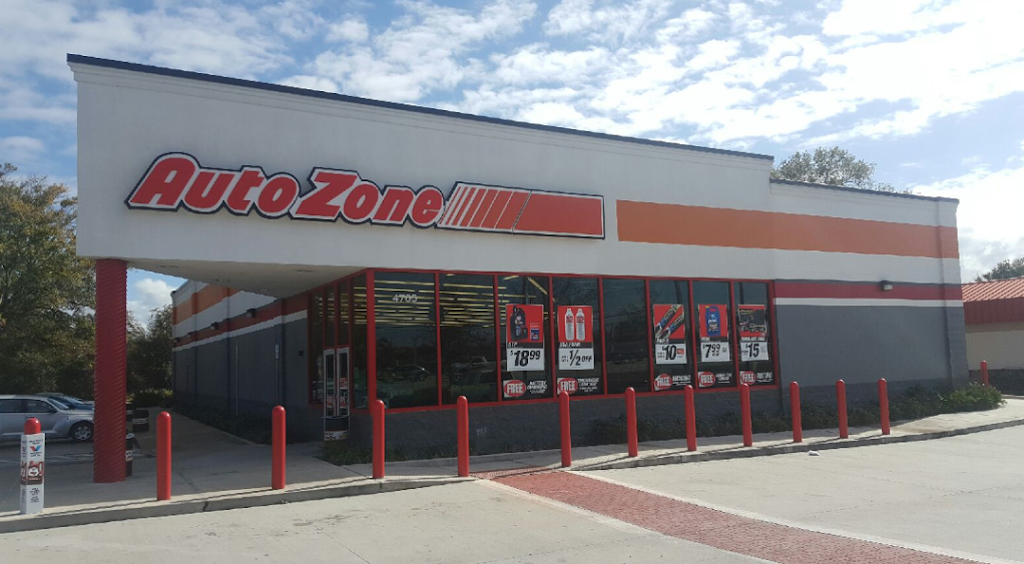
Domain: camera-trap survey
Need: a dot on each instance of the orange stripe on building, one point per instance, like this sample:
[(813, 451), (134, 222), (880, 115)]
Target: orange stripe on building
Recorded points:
[(644, 222), (200, 301)]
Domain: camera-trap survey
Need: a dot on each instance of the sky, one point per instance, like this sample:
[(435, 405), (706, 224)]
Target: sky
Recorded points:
[(930, 91)]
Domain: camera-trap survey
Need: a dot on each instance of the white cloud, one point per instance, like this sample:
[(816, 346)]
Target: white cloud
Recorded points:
[(20, 149), (351, 30), (420, 51), (146, 295), (610, 22), (988, 216)]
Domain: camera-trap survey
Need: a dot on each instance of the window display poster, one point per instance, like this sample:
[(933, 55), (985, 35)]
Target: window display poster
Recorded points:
[(575, 338), (524, 330), (669, 334), (753, 327), (714, 332)]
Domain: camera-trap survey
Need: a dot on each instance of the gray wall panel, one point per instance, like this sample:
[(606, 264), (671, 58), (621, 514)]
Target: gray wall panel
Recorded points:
[(819, 345)]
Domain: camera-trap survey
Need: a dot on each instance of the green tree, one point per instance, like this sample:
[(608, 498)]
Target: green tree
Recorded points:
[(1004, 270), (46, 291), (149, 352), (830, 165)]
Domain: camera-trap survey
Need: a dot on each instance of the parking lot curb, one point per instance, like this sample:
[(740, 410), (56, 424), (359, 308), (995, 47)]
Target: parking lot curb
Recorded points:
[(686, 457), (213, 502)]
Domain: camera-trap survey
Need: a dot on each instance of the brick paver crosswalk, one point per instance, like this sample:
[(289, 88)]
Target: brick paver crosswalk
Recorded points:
[(742, 535)]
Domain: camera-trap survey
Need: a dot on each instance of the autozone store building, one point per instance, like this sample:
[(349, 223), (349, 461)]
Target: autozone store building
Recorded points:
[(342, 249)]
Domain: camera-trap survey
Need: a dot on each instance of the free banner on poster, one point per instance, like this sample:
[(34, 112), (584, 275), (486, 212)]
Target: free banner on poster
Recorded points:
[(524, 343), (753, 327), (714, 333), (575, 338)]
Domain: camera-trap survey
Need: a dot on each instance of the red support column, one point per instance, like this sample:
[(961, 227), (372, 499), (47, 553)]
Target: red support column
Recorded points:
[(279, 449), (163, 456), (883, 404), (984, 373), (111, 363), (794, 412), (748, 433), (462, 430), (563, 417), (377, 414), (691, 419), (631, 438), (844, 430)]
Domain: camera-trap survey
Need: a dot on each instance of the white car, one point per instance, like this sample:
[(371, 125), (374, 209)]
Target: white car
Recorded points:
[(55, 418)]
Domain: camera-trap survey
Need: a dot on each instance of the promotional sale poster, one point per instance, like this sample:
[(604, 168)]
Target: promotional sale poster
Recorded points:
[(670, 354), (714, 333), (575, 338), (524, 343), (753, 328), (669, 333)]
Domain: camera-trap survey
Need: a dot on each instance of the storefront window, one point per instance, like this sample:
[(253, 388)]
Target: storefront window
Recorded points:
[(343, 314), (316, 347), (330, 312), (671, 329), (625, 324), (752, 326), (406, 339), (714, 328), (359, 384), (523, 301), (468, 355), (578, 336)]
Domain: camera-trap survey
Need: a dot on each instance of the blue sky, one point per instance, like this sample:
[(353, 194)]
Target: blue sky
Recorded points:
[(931, 91)]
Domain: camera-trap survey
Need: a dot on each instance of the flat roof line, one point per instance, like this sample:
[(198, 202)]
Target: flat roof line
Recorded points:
[(863, 191), (190, 75)]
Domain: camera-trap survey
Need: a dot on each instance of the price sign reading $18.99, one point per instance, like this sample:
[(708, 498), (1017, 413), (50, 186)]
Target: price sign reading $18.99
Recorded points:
[(524, 343)]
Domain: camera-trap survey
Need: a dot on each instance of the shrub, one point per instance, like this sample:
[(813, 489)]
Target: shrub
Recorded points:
[(255, 428), (342, 453), (972, 398)]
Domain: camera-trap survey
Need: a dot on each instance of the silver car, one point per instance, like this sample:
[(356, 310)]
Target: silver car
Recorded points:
[(55, 418)]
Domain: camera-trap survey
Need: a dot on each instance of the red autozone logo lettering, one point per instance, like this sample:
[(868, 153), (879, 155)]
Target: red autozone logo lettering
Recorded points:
[(177, 180)]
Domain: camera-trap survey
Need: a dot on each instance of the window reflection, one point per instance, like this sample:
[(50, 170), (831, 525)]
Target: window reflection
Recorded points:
[(406, 339), (468, 351), (626, 350)]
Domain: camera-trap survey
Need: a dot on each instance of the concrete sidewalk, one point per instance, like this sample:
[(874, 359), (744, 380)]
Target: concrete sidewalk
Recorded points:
[(215, 471), (212, 470)]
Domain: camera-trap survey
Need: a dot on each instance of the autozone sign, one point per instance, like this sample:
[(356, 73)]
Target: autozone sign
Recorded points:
[(176, 180)]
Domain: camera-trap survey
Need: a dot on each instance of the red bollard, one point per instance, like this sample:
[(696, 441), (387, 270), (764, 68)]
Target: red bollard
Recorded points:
[(462, 430), (984, 373), (748, 433), (32, 426), (631, 438), (691, 419), (163, 456), (377, 414), (563, 415), (277, 477), (883, 404), (844, 430), (794, 412)]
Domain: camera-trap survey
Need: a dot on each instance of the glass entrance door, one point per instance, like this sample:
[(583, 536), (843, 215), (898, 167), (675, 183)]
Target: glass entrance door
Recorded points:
[(336, 394)]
